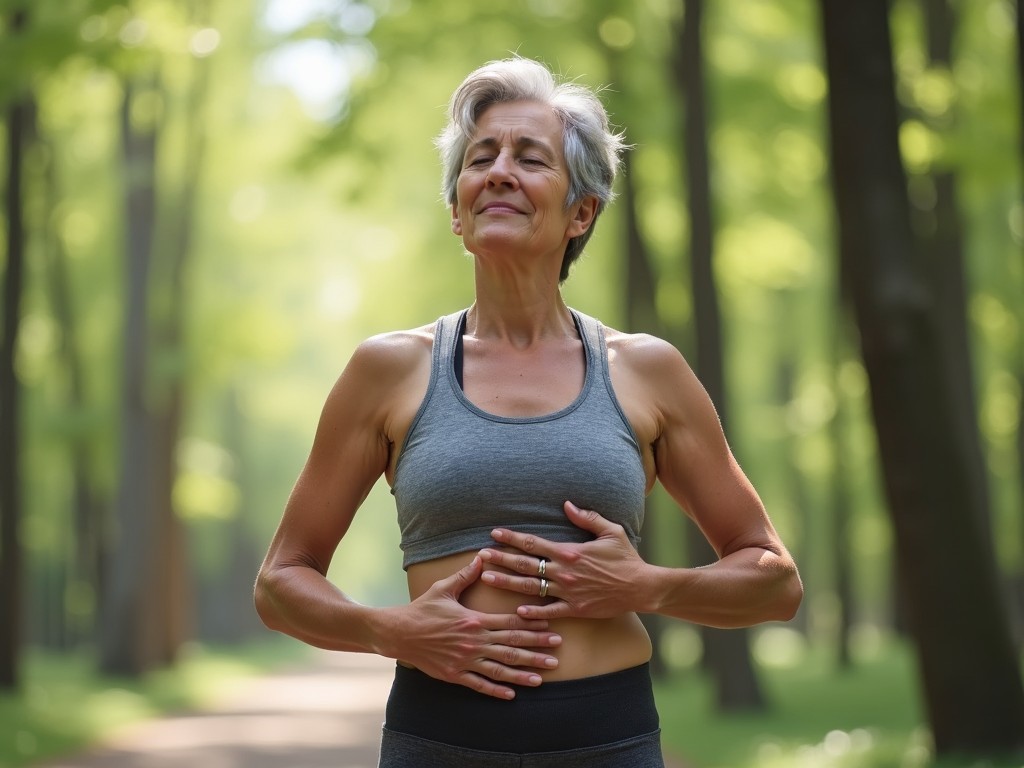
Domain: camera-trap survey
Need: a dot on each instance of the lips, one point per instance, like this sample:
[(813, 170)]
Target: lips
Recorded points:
[(499, 207)]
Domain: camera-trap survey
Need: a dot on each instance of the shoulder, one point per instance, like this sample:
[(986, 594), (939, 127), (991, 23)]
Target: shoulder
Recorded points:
[(392, 353), (645, 354), (382, 371), (660, 375)]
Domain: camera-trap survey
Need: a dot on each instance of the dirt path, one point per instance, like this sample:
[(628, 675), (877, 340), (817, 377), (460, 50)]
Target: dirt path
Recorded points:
[(325, 716)]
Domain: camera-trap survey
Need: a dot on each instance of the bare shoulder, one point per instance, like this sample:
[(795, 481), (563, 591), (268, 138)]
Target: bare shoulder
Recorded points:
[(643, 351), (387, 357), (383, 385), (653, 362)]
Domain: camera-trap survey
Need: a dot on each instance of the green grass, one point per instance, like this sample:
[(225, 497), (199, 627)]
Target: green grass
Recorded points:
[(868, 716), (64, 704)]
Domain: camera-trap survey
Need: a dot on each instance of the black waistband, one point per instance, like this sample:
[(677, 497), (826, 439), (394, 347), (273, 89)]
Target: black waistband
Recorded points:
[(564, 714)]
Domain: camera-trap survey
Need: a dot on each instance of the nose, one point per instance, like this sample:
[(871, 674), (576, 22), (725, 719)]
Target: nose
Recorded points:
[(502, 171)]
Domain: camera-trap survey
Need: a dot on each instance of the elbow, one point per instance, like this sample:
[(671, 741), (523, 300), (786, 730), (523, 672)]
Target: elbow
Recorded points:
[(264, 602), (791, 594)]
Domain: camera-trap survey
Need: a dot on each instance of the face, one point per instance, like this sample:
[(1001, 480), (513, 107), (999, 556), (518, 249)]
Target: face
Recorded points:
[(513, 185)]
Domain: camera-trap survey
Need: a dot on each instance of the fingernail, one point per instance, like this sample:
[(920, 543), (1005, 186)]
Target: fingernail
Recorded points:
[(535, 680), (488, 577), (556, 640), (497, 534), (550, 662), (485, 554), (510, 694)]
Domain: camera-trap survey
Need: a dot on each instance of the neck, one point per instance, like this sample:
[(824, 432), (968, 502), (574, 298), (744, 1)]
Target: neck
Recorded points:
[(519, 308)]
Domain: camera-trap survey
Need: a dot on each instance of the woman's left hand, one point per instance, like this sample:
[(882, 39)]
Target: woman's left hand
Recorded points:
[(598, 579)]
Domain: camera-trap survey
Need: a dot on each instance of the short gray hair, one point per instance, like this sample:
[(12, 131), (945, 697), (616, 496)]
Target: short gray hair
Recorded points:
[(592, 149)]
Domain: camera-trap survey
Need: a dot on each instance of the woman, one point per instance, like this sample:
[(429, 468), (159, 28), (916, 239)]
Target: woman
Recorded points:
[(520, 438)]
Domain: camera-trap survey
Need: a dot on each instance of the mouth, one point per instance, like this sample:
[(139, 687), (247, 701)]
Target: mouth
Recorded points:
[(497, 207)]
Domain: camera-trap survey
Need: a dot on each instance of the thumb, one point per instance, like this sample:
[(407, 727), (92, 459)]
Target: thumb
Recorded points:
[(589, 520), (457, 583)]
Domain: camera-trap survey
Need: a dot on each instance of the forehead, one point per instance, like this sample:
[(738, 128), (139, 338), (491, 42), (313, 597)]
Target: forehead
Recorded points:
[(517, 119)]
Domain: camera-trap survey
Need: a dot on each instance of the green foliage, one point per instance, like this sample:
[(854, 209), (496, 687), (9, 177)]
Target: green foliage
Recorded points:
[(867, 716)]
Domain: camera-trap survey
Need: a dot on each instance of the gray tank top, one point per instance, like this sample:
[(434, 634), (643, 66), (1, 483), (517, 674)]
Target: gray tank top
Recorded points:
[(463, 471)]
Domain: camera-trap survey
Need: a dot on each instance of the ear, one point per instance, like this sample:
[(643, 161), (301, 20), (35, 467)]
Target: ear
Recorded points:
[(456, 221), (583, 216)]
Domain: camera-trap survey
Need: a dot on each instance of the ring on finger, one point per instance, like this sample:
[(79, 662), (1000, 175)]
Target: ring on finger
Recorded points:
[(544, 584), (542, 568)]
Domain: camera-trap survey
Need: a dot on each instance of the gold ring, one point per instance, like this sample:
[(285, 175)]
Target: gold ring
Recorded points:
[(544, 583), (542, 567)]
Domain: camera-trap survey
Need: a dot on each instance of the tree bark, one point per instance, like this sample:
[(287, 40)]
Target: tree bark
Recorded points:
[(972, 683), (128, 642), (726, 652), (19, 117)]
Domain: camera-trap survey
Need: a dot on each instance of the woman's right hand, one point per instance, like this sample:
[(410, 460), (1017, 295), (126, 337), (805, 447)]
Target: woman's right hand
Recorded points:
[(446, 640)]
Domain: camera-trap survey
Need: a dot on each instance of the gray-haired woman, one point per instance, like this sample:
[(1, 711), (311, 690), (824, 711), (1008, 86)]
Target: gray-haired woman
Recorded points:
[(520, 438)]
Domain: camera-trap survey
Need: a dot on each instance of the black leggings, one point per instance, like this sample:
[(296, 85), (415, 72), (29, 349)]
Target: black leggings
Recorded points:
[(580, 719)]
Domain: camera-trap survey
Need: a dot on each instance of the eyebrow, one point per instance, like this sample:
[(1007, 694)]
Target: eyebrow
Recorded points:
[(523, 142)]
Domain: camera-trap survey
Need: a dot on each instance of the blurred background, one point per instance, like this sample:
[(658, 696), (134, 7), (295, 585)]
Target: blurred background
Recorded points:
[(208, 204)]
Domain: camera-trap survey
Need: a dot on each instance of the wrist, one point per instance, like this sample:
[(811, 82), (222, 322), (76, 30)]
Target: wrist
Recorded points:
[(661, 588), (382, 631)]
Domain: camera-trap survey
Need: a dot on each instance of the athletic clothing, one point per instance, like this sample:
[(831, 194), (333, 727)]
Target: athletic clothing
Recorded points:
[(463, 471), (605, 721)]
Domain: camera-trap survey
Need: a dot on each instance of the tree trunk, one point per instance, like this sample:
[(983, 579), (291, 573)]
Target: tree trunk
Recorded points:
[(943, 248), (83, 555), (641, 317), (128, 641), (841, 490), (175, 618), (1020, 315), (726, 652), (19, 119), (972, 683)]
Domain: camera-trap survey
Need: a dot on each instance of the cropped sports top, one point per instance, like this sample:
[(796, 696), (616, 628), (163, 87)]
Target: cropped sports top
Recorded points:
[(463, 471)]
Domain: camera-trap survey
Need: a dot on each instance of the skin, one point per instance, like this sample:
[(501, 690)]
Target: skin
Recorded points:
[(476, 619)]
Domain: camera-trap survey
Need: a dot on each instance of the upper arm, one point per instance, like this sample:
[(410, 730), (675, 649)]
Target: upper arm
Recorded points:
[(692, 458), (350, 450)]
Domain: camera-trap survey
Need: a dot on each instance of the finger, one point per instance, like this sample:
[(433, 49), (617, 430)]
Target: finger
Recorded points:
[(559, 609), (500, 672), (457, 583), (520, 639), (527, 585), (483, 685), (510, 621), (589, 520), (517, 561), (526, 542), (519, 658)]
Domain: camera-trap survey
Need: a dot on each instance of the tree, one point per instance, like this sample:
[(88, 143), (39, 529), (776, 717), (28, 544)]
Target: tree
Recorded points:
[(128, 641), (726, 652), (19, 129), (944, 556)]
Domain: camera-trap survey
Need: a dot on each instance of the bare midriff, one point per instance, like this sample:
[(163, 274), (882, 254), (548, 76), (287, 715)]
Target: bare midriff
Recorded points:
[(589, 646)]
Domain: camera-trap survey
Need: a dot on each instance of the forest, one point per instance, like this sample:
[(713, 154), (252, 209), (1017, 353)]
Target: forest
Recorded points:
[(207, 205)]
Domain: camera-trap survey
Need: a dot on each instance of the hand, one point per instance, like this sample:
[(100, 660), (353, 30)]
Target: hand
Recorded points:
[(596, 580), (450, 642)]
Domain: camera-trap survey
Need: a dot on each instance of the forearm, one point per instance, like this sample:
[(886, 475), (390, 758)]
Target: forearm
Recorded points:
[(746, 587), (298, 601)]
